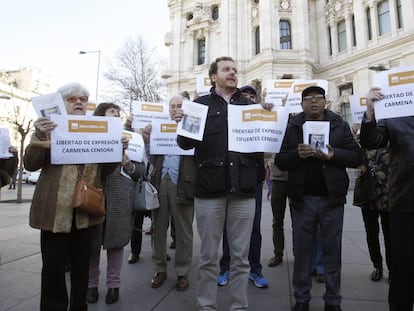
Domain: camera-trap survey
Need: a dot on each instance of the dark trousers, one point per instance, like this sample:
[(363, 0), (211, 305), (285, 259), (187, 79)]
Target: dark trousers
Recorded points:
[(278, 201), (136, 233), (255, 240), (402, 286), (370, 217), (56, 249)]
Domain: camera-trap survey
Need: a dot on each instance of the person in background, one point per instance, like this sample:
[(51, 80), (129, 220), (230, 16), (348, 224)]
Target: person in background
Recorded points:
[(256, 275), (317, 189), (278, 202), (172, 175), (8, 167), (268, 173), (376, 211), (64, 231), (115, 232), (12, 184), (137, 219), (224, 190), (397, 133)]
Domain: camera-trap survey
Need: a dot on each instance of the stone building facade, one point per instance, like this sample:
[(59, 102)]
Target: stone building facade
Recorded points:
[(336, 40)]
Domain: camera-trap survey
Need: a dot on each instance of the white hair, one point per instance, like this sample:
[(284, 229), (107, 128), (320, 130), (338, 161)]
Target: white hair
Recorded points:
[(73, 87)]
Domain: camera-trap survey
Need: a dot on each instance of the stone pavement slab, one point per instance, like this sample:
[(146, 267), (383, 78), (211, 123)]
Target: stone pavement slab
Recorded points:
[(20, 267)]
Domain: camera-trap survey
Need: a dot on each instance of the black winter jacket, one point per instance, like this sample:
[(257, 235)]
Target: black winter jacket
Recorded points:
[(219, 171), (347, 153), (399, 133)]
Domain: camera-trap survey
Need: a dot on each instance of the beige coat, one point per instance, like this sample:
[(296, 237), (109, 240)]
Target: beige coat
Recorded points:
[(51, 208)]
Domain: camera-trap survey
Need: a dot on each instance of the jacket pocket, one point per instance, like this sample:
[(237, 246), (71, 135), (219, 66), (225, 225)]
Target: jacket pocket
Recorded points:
[(211, 177), (248, 178), (188, 187)]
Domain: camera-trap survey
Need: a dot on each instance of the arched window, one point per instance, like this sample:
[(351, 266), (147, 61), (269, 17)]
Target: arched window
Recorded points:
[(285, 35), (384, 22), (215, 12), (257, 40)]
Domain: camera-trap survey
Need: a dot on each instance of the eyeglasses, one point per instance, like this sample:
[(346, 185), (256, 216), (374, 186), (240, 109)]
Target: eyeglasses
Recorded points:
[(309, 98), (74, 99)]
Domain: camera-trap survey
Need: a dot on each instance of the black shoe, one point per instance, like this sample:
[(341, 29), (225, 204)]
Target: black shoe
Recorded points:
[(133, 258), (332, 307), (92, 295), (112, 295), (376, 275), (168, 257), (172, 245), (274, 261), (300, 307)]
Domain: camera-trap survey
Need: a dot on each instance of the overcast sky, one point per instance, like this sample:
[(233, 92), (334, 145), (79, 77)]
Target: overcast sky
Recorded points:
[(48, 34)]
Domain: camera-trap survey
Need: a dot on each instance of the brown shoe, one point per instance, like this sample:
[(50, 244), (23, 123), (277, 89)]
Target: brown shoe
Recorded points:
[(182, 283), (158, 279), (274, 261)]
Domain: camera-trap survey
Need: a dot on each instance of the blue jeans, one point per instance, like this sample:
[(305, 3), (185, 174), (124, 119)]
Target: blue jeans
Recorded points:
[(255, 240)]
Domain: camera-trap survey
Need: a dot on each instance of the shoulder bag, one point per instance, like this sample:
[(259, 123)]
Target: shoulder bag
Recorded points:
[(366, 185), (145, 196), (88, 199)]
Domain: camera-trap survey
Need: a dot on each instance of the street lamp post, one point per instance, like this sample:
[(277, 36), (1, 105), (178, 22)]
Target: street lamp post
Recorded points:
[(97, 74)]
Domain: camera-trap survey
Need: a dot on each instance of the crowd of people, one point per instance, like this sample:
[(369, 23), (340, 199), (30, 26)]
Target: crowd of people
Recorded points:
[(223, 190)]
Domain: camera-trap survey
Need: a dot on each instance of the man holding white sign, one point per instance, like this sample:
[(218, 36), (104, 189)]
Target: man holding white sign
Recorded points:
[(224, 190), (317, 186), (172, 175)]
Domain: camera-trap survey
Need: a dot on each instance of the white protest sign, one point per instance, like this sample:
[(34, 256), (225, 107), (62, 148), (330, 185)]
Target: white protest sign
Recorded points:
[(358, 106), (276, 90), (203, 84), (5, 143), (253, 129), (316, 134), (164, 139), (48, 104), (397, 85), (295, 95), (86, 139), (145, 113), (90, 108), (136, 146), (194, 120)]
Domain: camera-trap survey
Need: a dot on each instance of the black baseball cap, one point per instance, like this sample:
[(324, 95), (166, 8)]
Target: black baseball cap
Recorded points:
[(248, 89), (312, 88)]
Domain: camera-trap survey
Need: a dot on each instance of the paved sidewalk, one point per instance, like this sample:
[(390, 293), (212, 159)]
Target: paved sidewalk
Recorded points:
[(20, 266)]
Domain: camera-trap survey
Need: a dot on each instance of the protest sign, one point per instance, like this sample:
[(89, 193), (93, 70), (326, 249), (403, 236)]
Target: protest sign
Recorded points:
[(48, 104), (5, 143), (86, 139), (194, 120), (254, 129), (277, 90), (397, 85), (316, 134), (358, 105), (294, 99), (136, 147), (164, 139), (203, 84), (145, 113)]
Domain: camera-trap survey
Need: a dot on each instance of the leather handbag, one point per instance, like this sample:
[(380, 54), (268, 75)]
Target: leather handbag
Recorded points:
[(145, 196), (89, 199), (365, 190)]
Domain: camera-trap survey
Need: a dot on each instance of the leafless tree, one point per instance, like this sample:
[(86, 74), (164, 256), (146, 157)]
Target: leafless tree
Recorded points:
[(18, 119), (136, 73)]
